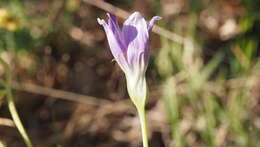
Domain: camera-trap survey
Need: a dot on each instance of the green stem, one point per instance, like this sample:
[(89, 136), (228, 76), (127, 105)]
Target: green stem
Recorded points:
[(17, 120), (142, 118), (11, 104)]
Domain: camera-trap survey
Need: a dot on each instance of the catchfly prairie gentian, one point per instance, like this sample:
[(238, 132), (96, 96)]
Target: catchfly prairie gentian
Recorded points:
[(130, 48)]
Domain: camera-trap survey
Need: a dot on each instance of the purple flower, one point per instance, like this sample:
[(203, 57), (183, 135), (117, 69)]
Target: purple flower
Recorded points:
[(130, 48)]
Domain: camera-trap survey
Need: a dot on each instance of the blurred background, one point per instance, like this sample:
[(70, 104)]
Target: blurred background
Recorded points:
[(203, 77)]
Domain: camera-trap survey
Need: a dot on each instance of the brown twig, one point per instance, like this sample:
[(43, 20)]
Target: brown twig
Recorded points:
[(90, 100), (124, 14), (61, 94), (6, 122)]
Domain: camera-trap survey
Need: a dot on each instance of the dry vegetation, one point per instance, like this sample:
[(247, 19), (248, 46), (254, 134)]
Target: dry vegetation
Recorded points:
[(204, 74)]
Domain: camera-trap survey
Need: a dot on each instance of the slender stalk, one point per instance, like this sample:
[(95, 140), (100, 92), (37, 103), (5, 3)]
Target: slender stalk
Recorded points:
[(11, 104), (17, 120), (142, 118)]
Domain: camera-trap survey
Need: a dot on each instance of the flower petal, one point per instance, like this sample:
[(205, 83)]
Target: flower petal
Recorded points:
[(152, 21), (115, 43), (136, 37), (112, 22)]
